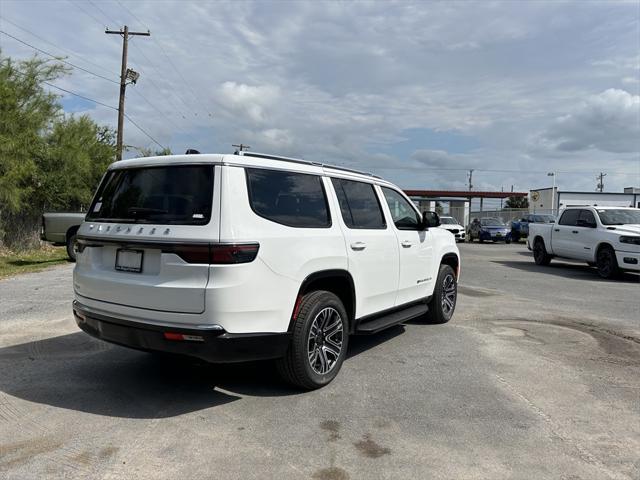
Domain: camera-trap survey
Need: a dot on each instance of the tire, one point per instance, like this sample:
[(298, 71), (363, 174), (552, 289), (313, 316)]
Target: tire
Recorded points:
[(540, 255), (507, 242), (308, 362), (606, 262), (71, 246), (443, 303)]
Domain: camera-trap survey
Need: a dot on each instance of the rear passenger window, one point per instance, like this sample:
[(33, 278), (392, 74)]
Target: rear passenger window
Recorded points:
[(292, 199), (359, 204), (569, 217)]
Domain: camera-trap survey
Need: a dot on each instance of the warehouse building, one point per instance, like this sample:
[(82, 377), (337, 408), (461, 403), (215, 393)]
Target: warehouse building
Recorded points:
[(550, 200)]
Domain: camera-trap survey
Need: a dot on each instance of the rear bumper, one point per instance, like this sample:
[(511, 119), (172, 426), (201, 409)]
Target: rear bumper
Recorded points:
[(212, 345)]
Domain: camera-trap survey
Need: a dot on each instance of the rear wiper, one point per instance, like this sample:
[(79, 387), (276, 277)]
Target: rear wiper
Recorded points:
[(143, 211)]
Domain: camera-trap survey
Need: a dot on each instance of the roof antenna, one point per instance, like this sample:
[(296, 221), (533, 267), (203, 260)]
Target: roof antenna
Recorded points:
[(240, 148), (191, 151)]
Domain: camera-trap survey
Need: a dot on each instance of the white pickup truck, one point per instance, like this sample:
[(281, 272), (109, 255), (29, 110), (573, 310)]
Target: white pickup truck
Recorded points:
[(605, 237)]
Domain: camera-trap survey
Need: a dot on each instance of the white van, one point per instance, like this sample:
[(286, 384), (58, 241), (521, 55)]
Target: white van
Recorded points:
[(248, 256)]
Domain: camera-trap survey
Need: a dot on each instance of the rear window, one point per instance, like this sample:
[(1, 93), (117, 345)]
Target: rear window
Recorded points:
[(176, 194), (292, 199)]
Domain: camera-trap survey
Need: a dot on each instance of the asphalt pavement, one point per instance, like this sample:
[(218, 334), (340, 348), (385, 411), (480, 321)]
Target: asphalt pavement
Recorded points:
[(536, 377)]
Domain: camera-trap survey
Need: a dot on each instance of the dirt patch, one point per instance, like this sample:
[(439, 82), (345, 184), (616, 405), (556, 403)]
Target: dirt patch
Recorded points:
[(107, 452), (369, 448), (331, 473), (477, 291), (332, 427)]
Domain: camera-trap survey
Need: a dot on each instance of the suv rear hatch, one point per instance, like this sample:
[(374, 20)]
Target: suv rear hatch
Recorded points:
[(146, 239)]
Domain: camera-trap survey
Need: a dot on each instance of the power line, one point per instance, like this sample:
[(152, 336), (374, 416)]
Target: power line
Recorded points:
[(88, 14), (59, 59), (143, 131), (487, 170), (71, 52), (103, 13), (80, 96), (107, 106), (175, 107), (184, 81)]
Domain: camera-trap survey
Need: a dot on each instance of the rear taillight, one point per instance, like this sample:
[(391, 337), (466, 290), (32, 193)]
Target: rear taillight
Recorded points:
[(190, 253), (226, 253), (216, 253)]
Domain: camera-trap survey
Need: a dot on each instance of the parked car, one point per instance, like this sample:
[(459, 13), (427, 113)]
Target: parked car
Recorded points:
[(489, 228), (520, 228), (451, 224), (61, 229), (605, 237), (247, 257)]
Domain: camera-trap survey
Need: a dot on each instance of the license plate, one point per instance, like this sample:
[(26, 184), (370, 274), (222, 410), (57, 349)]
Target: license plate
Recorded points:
[(129, 260), (498, 234)]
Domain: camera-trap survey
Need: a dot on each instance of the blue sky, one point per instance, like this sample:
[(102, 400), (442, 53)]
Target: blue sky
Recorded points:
[(418, 92)]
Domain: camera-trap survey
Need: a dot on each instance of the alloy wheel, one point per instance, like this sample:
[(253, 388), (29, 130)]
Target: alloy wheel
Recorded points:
[(449, 294), (325, 340)]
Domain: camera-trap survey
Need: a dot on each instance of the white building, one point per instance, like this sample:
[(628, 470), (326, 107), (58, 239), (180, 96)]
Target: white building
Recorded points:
[(543, 200)]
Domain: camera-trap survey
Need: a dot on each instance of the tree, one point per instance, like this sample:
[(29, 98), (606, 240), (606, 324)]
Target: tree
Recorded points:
[(148, 152), (48, 160), (517, 202)]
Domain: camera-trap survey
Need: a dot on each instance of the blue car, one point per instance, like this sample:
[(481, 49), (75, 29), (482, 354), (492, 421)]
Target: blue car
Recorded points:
[(520, 228), (489, 228)]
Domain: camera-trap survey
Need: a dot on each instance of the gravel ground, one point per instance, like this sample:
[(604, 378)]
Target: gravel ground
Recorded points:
[(536, 377)]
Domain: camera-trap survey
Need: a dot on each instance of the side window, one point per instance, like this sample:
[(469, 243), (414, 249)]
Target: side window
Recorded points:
[(569, 217), (293, 199), (586, 218), (359, 204), (404, 215)]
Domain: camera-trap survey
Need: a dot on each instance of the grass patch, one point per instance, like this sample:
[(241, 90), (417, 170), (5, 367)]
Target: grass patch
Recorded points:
[(13, 263)]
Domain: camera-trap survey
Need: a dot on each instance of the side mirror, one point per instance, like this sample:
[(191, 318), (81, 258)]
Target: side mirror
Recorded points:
[(430, 219)]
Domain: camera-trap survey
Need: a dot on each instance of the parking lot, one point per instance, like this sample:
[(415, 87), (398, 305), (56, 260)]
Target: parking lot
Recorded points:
[(537, 376)]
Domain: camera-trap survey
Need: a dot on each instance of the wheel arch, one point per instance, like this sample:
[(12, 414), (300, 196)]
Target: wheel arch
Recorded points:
[(71, 231), (601, 245), (337, 281), (451, 259)]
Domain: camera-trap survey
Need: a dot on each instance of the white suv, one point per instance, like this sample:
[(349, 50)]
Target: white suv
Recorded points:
[(243, 257)]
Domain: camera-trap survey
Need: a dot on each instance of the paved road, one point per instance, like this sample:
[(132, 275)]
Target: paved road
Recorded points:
[(536, 377)]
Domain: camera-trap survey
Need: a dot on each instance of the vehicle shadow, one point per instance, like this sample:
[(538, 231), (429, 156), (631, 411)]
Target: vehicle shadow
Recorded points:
[(77, 372), (568, 270)]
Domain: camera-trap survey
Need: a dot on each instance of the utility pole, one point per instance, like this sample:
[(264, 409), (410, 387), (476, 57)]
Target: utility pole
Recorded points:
[(125, 74), (241, 147), (470, 179), (600, 178)]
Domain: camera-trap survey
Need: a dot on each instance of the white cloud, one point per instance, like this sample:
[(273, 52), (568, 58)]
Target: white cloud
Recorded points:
[(343, 82), (609, 121)]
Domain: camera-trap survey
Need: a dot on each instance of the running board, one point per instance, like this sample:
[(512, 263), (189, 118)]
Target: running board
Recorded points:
[(380, 323)]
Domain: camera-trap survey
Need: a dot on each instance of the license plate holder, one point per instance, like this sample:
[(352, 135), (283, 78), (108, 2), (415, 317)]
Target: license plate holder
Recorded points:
[(128, 260)]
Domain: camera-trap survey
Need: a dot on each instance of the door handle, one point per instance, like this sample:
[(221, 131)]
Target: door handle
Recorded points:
[(357, 246), (556, 229), (574, 231), (406, 244)]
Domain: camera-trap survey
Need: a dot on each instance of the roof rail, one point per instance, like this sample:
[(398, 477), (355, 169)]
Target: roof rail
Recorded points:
[(304, 162)]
